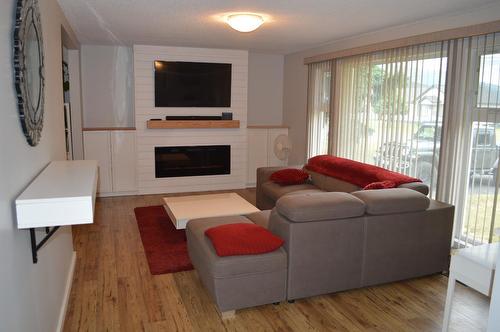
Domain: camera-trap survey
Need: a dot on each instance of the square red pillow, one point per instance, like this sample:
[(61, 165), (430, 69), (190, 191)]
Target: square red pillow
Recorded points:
[(289, 176), (380, 185), (242, 239)]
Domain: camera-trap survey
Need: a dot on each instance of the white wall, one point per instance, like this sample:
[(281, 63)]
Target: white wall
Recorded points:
[(295, 75), (145, 109), (107, 86), (265, 89), (31, 295), (106, 99)]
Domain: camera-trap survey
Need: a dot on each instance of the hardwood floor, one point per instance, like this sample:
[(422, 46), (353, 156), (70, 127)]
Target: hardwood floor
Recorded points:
[(114, 291)]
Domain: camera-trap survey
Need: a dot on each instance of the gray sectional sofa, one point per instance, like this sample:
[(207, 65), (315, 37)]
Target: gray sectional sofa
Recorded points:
[(334, 241)]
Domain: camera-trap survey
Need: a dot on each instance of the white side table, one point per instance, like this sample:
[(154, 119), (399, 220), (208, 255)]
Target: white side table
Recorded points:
[(494, 318), (475, 267)]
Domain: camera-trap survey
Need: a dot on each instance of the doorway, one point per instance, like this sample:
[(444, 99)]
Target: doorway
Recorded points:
[(67, 105), (72, 108)]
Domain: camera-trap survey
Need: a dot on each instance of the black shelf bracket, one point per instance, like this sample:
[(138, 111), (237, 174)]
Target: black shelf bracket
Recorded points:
[(34, 246)]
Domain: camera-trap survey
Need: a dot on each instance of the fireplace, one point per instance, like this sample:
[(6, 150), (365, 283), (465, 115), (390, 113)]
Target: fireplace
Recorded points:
[(175, 161)]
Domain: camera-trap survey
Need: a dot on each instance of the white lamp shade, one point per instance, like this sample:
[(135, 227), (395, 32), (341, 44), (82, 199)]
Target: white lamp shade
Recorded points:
[(245, 22)]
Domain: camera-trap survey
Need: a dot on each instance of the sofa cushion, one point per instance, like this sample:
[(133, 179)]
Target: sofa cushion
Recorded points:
[(289, 176), (395, 200), (320, 206), (275, 191), (260, 218), (222, 267), (242, 239), (328, 183)]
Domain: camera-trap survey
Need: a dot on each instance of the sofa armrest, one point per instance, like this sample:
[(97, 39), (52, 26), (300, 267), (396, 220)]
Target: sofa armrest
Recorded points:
[(263, 175), (417, 186)]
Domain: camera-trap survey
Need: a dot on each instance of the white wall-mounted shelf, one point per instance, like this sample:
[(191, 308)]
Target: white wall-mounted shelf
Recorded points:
[(62, 194)]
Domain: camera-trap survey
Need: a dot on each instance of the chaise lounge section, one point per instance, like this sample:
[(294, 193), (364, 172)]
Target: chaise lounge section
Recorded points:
[(236, 282)]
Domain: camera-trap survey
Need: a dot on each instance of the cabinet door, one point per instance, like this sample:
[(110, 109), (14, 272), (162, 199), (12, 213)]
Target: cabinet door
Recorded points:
[(97, 147), (123, 160), (273, 134), (257, 153)]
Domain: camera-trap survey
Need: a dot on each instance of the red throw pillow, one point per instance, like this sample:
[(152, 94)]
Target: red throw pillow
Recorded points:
[(242, 239), (289, 176), (380, 185)]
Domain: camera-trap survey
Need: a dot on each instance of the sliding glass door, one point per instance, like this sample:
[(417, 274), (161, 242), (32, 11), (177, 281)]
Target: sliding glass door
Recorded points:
[(481, 211)]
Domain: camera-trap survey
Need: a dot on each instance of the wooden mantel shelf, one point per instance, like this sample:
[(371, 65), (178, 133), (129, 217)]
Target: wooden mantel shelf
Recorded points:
[(183, 124)]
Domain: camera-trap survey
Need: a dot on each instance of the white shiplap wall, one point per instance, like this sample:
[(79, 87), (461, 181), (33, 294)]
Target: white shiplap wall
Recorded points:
[(147, 139)]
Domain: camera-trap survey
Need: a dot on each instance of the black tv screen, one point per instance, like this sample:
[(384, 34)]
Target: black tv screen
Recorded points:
[(192, 84)]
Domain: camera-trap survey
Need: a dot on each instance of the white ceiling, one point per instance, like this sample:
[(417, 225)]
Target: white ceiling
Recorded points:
[(292, 24)]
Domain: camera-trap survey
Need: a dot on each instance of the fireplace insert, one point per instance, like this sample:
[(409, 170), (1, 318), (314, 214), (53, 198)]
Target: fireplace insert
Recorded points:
[(176, 161)]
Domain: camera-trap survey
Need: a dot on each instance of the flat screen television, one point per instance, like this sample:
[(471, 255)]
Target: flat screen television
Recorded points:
[(192, 84)]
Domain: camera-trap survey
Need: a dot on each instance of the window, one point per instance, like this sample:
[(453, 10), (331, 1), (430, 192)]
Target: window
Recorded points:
[(488, 95), (420, 110), (390, 109)]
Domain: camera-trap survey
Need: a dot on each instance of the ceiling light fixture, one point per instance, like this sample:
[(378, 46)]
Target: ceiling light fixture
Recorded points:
[(244, 22)]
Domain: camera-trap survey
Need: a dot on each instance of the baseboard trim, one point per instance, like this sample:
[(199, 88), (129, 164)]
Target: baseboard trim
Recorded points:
[(67, 292)]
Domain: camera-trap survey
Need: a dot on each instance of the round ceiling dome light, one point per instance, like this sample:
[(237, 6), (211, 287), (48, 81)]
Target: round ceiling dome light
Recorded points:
[(244, 22)]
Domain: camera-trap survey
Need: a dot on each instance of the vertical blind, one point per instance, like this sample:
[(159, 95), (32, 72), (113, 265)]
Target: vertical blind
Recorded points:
[(421, 110), (390, 109), (318, 107)]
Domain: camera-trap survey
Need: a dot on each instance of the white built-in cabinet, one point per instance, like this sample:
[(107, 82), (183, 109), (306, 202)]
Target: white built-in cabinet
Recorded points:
[(261, 149), (114, 151)]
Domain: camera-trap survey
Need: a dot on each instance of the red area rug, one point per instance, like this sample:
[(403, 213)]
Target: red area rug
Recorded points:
[(165, 246)]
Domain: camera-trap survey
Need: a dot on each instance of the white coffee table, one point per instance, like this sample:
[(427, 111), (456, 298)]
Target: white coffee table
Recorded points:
[(181, 209)]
